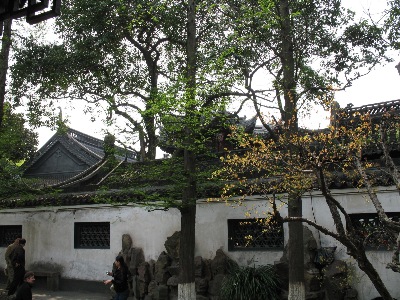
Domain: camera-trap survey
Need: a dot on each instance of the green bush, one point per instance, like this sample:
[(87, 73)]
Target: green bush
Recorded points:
[(251, 283)]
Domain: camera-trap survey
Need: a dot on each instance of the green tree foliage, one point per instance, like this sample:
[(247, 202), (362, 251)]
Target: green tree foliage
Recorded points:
[(126, 57), (393, 23), (308, 49), (329, 49), (17, 144)]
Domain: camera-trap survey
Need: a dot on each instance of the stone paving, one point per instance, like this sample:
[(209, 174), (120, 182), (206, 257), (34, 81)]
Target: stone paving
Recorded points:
[(64, 295)]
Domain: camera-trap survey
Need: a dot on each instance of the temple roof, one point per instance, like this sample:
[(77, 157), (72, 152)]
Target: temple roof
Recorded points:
[(375, 110), (68, 156), (80, 186)]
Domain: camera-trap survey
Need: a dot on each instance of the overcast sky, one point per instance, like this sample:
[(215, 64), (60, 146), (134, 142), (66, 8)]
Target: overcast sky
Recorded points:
[(382, 84)]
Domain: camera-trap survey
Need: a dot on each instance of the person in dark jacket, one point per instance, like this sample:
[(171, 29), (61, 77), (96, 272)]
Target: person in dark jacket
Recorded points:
[(120, 279), (24, 291), (9, 267), (18, 264)]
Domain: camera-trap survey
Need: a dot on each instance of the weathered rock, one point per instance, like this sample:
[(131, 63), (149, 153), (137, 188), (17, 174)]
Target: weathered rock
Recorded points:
[(157, 292), (198, 266), (151, 288), (173, 293), (136, 257), (173, 269), (172, 245), (163, 292), (133, 285), (312, 282), (320, 295), (152, 267), (335, 280), (126, 243), (337, 268), (310, 247), (144, 272), (282, 271), (221, 264), (141, 289), (143, 279), (215, 285), (207, 274), (173, 281), (201, 286), (161, 274), (351, 294), (284, 295)]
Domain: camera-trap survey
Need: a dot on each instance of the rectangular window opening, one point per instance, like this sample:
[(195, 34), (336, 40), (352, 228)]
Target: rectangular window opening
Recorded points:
[(8, 234), (255, 234), (92, 235), (372, 232)]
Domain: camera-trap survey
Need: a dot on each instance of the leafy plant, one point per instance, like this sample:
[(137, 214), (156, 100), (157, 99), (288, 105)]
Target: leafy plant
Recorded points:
[(257, 283)]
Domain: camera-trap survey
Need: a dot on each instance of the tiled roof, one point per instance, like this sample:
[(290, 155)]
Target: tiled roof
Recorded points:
[(85, 150)]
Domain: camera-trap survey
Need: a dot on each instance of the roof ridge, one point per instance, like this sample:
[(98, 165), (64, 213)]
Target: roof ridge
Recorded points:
[(86, 148), (45, 148), (112, 171), (100, 142), (81, 176)]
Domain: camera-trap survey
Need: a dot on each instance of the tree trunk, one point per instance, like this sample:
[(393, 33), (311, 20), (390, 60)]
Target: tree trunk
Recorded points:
[(366, 266), (296, 251), (295, 247), (4, 56), (187, 291), (186, 286)]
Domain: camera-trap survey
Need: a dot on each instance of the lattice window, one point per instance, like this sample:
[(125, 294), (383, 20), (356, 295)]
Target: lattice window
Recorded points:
[(8, 234), (255, 234), (92, 235), (371, 231)]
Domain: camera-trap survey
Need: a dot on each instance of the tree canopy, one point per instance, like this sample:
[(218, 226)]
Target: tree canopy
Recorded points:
[(17, 144), (128, 58)]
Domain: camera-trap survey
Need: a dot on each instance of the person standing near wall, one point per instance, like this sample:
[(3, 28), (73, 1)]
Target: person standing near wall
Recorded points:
[(24, 291), (9, 270), (120, 279), (18, 264), (112, 286)]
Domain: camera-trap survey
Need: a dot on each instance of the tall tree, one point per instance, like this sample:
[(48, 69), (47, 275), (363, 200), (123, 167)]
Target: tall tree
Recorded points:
[(345, 152), (307, 49), (17, 144), (110, 54), (186, 287), (392, 23), (147, 61), (4, 62)]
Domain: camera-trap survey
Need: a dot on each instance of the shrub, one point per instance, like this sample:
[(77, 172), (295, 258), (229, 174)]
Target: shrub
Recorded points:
[(256, 283)]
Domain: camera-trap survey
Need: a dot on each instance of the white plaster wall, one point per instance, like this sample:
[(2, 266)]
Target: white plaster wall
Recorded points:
[(50, 234), (355, 201), (212, 230)]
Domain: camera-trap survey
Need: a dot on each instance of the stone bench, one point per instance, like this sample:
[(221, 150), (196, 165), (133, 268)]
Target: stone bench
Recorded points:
[(53, 279)]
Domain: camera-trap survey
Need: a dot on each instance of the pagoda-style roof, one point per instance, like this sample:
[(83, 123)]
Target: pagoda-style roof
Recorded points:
[(76, 163), (70, 155), (375, 110)]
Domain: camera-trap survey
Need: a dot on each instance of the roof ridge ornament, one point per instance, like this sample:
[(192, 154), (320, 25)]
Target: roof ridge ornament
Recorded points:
[(61, 126)]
